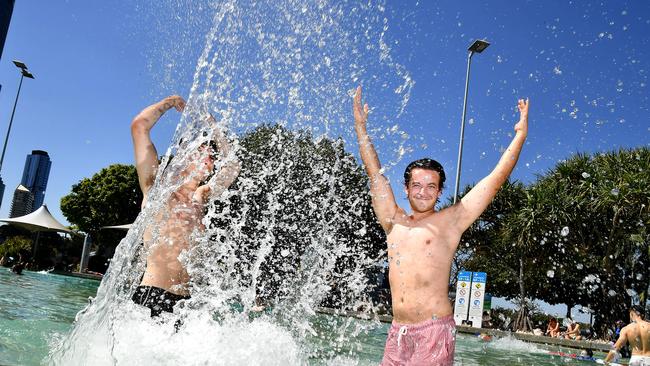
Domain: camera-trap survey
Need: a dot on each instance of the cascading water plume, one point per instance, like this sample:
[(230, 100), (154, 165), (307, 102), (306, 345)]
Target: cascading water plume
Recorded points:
[(296, 230)]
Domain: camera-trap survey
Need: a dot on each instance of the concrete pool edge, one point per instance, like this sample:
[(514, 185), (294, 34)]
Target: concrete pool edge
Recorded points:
[(526, 337), (88, 276)]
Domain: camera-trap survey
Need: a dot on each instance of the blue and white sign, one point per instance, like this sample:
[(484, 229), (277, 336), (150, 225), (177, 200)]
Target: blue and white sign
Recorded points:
[(479, 279), (462, 297)]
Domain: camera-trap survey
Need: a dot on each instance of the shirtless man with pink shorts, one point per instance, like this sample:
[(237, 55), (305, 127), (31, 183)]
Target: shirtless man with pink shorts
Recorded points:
[(421, 245)]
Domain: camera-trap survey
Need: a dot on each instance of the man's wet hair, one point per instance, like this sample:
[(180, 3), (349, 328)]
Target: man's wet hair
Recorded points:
[(639, 310), (214, 153), (428, 164)]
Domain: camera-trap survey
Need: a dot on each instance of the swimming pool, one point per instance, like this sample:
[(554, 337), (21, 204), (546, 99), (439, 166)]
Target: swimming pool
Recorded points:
[(37, 307), (33, 307)]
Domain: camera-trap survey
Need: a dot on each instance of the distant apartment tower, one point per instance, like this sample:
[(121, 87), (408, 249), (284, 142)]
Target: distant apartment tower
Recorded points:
[(35, 176), (6, 10), (23, 202), (2, 190)]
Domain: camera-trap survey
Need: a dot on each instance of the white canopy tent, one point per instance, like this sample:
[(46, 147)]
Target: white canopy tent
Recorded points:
[(39, 220)]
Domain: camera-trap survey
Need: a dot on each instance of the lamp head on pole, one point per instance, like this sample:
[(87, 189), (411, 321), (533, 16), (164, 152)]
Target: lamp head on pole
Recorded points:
[(478, 46), (23, 69), (20, 65), (27, 74)]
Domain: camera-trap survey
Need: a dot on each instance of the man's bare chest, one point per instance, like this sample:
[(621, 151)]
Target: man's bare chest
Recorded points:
[(418, 245)]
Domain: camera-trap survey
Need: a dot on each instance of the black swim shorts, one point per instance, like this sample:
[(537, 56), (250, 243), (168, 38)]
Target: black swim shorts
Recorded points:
[(156, 299)]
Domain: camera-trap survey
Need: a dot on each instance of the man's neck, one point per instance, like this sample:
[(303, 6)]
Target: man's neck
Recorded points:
[(417, 216)]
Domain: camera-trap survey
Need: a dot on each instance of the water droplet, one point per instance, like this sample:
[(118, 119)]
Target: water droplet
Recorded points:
[(565, 231), (586, 175), (615, 192), (550, 273)]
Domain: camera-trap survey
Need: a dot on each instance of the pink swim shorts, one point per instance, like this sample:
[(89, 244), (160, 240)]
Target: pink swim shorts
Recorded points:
[(428, 343)]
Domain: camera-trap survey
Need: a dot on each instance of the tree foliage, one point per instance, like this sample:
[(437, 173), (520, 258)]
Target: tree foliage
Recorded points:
[(110, 197), (579, 234), (300, 202), (14, 245)]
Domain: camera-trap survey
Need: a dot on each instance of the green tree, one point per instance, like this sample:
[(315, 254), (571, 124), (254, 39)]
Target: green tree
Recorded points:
[(14, 245), (111, 197), (495, 244), (602, 239), (297, 196), (579, 237)]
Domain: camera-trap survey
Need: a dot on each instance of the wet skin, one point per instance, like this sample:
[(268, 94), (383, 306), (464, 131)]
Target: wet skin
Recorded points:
[(637, 334), (421, 245), (180, 216), (419, 253), (176, 222)]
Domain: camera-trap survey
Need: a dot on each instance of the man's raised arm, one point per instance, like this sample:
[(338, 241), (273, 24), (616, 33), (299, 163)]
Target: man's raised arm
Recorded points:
[(383, 199), (478, 198), (146, 156)]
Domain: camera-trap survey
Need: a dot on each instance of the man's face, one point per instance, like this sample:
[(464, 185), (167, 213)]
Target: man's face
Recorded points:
[(423, 189), (202, 162)]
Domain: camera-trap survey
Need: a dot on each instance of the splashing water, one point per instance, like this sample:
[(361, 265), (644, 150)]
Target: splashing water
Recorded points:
[(292, 232)]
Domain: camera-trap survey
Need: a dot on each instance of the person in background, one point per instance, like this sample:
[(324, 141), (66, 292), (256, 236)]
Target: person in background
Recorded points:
[(637, 335)]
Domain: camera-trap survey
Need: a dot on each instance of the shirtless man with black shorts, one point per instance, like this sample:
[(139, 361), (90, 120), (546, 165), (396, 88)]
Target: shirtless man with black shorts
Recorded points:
[(421, 245), (165, 280)]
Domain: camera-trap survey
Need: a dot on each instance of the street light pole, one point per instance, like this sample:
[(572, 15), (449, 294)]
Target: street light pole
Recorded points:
[(23, 74), (477, 47)]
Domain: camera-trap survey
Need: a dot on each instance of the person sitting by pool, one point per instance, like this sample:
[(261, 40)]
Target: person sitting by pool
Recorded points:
[(637, 334), (486, 322), (553, 329), (573, 331), (165, 280), (421, 245)]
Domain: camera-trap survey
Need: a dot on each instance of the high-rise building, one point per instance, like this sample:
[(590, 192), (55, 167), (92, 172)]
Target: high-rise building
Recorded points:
[(23, 202), (36, 174), (2, 190), (6, 10)]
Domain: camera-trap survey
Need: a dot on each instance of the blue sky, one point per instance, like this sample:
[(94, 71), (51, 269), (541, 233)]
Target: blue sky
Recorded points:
[(583, 65)]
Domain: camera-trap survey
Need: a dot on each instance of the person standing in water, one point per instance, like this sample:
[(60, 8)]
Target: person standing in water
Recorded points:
[(165, 280), (421, 245), (637, 334)]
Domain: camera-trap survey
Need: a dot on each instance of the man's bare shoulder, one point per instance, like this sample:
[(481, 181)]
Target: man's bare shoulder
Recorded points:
[(400, 217), (445, 216), (632, 327)]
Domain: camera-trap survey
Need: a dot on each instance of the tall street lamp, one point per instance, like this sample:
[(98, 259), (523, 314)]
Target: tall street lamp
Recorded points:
[(477, 47), (23, 74)]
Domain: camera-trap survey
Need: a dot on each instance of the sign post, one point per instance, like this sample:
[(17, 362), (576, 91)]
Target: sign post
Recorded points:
[(462, 297), (476, 303)]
